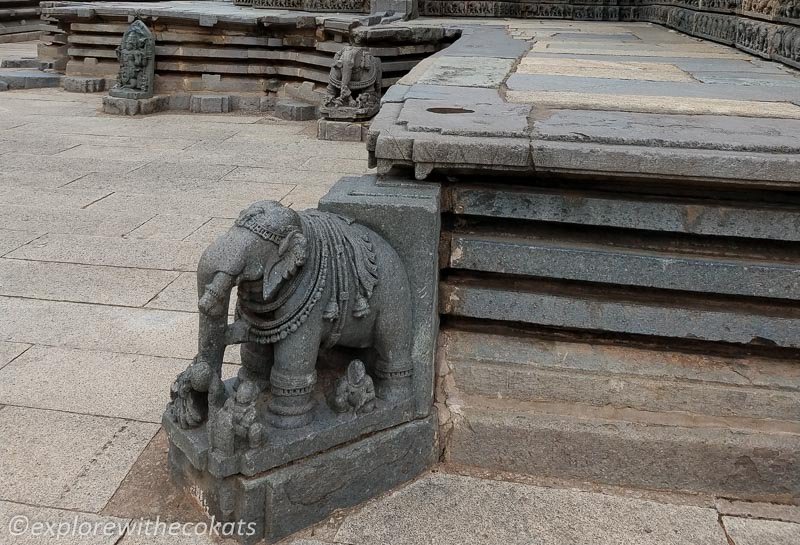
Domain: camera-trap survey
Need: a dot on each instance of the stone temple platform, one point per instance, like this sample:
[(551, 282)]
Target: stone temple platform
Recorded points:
[(611, 99)]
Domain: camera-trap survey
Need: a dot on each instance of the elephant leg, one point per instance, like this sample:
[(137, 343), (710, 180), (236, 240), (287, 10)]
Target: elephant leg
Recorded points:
[(256, 364), (394, 368), (293, 377)]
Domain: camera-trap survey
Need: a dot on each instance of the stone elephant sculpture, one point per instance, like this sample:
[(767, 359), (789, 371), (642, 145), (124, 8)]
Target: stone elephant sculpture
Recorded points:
[(305, 280), (354, 84)]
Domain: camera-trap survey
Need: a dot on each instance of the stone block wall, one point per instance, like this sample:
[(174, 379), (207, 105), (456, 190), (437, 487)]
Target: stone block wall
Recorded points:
[(767, 28), (19, 20)]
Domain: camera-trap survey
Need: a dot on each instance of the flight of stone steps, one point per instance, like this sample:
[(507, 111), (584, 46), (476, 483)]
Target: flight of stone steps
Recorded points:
[(643, 335)]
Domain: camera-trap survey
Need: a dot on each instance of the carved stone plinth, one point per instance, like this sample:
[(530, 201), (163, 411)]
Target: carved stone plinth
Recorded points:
[(341, 131), (275, 503), (354, 86)]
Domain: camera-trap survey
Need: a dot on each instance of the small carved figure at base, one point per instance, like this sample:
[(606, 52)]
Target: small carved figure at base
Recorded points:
[(235, 425), (136, 55), (354, 391), (354, 86)]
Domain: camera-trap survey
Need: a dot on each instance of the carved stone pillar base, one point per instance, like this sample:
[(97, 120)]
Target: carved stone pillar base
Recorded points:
[(281, 501)]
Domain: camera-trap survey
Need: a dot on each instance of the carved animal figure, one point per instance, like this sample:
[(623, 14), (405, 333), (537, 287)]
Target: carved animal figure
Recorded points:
[(305, 280), (354, 81)]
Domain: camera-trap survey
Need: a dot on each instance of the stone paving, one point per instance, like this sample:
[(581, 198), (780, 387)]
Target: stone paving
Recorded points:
[(102, 220)]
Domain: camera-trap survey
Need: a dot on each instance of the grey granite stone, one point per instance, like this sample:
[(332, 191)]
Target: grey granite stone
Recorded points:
[(210, 104), (488, 42), (667, 452), (28, 79), (407, 215), (467, 71), (40, 519), (132, 106), (600, 311), (288, 499), (294, 110), (452, 510), (340, 131), (74, 84), (137, 57), (761, 532), (465, 118)]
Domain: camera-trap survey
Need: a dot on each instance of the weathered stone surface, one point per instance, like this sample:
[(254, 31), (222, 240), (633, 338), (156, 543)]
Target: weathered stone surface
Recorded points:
[(74, 84), (461, 509), (294, 110), (755, 510), (288, 499), (465, 118), (28, 79), (340, 131), (210, 104), (131, 106), (466, 71), (603, 69), (71, 461), (599, 311), (533, 369), (10, 351), (761, 532), (665, 453)]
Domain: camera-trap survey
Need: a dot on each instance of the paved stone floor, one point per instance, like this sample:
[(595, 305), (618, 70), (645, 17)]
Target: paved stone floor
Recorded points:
[(102, 220)]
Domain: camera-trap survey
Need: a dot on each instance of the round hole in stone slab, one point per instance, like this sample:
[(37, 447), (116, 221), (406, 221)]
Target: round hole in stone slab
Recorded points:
[(450, 111)]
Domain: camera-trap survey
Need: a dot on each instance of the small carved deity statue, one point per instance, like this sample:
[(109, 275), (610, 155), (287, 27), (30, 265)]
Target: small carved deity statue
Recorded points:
[(354, 87), (236, 424), (354, 391), (136, 56)]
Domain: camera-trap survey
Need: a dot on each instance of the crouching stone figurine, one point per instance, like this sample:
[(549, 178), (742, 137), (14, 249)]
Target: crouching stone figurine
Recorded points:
[(305, 281), (354, 85)]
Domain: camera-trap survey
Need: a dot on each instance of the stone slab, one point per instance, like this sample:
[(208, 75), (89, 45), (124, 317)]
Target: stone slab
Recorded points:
[(589, 68), (210, 104), (658, 130), (452, 510), (761, 532), (663, 317), (756, 510), (133, 106), (74, 84), (486, 42), (533, 369), (10, 351), (294, 110), (69, 461), (28, 79), (108, 384), (37, 520), (407, 216), (288, 499), (340, 131), (81, 283), (11, 240), (74, 221), (467, 71), (611, 447), (99, 327), (627, 212), (169, 255), (465, 118)]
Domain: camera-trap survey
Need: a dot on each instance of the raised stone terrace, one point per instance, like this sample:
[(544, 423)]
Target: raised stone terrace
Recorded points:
[(102, 220)]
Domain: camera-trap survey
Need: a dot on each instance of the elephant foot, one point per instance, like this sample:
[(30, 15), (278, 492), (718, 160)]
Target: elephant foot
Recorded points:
[(291, 411), (394, 389)]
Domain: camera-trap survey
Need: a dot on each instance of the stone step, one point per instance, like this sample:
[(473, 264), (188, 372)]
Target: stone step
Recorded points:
[(13, 79), (535, 368), (620, 310), (629, 448)]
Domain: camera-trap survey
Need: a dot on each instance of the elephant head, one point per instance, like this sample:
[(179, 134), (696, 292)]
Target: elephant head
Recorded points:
[(266, 244)]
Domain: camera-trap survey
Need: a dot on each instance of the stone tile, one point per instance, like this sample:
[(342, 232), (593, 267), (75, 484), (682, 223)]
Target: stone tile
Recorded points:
[(127, 386), (37, 520), (156, 177), (222, 201), (467, 71), (655, 104), (786, 513), (182, 295), (159, 539), (693, 51), (72, 461), (304, 197), (95, 327), (209, 231), (328, 164), (589, 68), (72, 221), (9, 351), (81, 283), (268, 175), (445, 509), (10, 240), (761, 532), (111, 251), (168, 227), (49, 198)]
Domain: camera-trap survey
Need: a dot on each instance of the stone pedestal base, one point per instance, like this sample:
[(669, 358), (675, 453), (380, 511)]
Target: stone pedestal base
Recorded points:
[(84, 85), (341, 131), (135, 106), (276, 503)]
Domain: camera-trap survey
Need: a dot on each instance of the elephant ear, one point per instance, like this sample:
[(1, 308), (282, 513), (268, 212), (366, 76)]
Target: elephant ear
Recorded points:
[(291, 256)]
